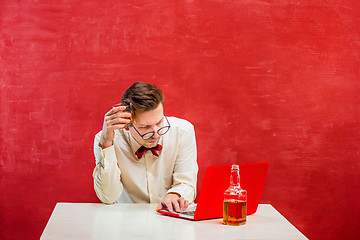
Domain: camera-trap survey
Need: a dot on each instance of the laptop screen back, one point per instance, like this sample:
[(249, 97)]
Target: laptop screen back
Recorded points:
[(217, 180)]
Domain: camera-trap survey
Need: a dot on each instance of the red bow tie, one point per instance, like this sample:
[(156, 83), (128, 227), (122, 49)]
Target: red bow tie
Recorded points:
[(140, 152)]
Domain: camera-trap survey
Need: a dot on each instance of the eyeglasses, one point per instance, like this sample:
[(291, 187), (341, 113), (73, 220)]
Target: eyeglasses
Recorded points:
[(149, 135)]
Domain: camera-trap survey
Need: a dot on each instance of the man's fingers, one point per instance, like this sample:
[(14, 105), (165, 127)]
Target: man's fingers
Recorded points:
[(176, 206), (115, 110), (118, 115), (183, 203), (173, 201), (186, 204), (114, 119), (169, 206), (159, 207), (117, 121)]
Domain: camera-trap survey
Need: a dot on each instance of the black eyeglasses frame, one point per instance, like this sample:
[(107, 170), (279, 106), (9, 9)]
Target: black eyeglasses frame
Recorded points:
[(153, 132)]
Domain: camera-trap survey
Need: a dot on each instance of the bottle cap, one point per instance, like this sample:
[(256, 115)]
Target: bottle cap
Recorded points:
[(234, 167)]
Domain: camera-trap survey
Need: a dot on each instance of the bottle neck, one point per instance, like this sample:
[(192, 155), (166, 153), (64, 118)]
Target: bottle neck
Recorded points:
[(235, 178)]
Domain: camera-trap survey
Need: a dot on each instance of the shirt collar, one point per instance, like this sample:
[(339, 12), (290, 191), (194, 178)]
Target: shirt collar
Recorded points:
[(135, 145)]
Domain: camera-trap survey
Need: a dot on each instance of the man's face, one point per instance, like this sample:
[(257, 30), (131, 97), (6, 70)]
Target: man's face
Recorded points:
[(149, 121)]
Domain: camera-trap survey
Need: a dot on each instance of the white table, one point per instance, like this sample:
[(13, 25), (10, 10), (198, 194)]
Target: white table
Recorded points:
[(141, 221)]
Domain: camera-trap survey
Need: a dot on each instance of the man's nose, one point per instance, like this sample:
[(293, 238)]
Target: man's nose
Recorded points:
[(156, 129)]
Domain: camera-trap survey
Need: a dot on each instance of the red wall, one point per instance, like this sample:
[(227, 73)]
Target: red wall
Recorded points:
[(274, 81)]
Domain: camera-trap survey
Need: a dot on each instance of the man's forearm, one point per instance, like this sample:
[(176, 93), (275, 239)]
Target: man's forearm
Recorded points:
[(107, 183)]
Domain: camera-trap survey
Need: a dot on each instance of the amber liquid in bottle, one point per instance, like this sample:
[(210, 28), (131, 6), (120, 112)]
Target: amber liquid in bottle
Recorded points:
[(130, 110), (234, 211)]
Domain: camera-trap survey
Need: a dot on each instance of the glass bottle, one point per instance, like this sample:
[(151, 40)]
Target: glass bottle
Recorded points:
[(234, 212)]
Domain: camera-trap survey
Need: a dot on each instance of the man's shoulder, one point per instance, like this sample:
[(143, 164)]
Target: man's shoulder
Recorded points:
[(181, 124)]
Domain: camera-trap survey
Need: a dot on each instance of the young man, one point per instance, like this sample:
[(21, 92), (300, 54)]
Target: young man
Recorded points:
[(153, 161)]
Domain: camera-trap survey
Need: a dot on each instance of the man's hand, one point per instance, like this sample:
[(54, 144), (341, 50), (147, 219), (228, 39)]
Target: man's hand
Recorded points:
[(116, 118), (173, 201)]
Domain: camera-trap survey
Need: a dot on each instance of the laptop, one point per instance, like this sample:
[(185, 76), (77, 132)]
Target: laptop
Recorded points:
[(216, 181)]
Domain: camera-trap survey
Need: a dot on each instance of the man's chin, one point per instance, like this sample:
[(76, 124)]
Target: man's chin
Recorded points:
[(151, 144)]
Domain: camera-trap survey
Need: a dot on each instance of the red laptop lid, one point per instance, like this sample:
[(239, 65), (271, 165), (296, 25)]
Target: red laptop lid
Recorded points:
[(217, 180)]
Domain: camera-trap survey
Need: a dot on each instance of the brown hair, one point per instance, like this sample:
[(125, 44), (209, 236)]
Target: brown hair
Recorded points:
[(142, 96)]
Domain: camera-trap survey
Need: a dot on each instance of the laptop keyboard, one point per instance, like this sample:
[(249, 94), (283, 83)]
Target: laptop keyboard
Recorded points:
[(189, 213)]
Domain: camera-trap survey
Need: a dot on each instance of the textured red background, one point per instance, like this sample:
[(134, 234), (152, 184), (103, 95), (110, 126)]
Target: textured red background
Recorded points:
[(275, 81)]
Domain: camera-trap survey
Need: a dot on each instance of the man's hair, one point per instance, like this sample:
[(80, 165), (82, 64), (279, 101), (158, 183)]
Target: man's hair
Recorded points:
[(142, 96)]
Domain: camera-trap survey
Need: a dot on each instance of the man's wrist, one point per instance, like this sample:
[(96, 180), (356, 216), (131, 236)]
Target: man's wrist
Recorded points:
[(106, 145)]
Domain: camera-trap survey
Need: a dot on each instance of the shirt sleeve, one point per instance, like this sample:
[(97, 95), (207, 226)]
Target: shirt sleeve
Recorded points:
[(107, 183), (186, 168)]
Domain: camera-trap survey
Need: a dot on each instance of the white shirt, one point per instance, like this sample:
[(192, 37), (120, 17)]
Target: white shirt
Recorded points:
[(119, 176)]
